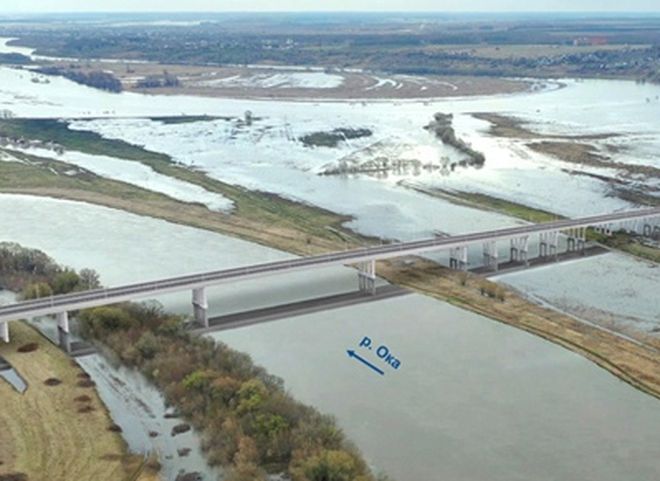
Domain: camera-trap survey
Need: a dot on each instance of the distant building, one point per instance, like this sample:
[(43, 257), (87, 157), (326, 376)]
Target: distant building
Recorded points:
[(6, 114)]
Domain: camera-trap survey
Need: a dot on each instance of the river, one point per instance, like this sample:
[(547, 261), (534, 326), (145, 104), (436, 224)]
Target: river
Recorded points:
[(473, 399)]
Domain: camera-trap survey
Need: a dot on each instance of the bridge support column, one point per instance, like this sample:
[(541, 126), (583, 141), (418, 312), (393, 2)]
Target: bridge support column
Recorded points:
[(491, 255), (63, 331), (576, 240), (548, 244), (4, 331), (367, 277), (200, 306), (647, 230), (458, 258), (581, 238), (520, 249)]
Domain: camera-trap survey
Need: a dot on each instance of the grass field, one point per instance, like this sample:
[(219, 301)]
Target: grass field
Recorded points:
[(490, 203), (43, 434)]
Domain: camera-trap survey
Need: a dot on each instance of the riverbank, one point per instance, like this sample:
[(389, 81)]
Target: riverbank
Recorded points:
[(264, 218), (59, 430), (487, 202), (635, 363)]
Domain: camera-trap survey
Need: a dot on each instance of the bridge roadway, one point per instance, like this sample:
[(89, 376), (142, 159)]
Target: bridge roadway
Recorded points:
[(100, 297)]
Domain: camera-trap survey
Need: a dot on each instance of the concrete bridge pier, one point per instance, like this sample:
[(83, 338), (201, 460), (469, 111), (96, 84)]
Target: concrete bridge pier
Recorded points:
[(520, 249), (458, 258), (576, 240), (548, 244), (647, 230), (491, 255), (200, 306), (63, 331), (367, 277), (4, 331)]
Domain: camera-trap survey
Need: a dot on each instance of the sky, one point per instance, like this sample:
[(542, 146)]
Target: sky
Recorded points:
[(44, 6)]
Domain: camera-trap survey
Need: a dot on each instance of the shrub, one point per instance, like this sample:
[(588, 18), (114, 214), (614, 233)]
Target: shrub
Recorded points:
[(329, 466), (251, 395), (29, 347), (36, 290), (180, 429), (65, 282), (147, 345)]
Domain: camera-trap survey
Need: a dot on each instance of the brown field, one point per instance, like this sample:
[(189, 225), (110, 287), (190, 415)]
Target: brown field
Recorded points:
[(356, 85), (48, 435)]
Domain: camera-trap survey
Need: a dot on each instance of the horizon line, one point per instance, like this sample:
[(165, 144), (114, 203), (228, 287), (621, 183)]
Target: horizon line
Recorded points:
[(609, 12)]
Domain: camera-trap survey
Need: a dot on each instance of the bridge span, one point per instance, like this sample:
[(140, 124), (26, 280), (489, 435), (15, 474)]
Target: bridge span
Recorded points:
[(645, 222)]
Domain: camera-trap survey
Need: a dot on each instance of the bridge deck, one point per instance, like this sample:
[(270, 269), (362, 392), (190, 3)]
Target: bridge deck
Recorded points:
[(99, 297)]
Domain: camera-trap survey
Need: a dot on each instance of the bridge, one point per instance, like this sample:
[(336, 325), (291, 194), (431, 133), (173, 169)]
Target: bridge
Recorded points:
[(645, 222)]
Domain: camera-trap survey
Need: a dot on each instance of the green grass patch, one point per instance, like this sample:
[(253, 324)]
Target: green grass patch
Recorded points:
[(87, 142), (630, 243), (488, 202)]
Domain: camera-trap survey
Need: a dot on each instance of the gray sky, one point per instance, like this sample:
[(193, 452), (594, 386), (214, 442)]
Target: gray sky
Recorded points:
[(42, 6)]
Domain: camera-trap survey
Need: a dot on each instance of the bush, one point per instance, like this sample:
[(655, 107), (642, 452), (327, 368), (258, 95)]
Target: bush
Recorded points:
[(65, 282), (36, 291), (29, 347), (329, 466)]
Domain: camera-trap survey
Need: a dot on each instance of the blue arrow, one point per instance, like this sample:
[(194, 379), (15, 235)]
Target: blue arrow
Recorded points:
[(365, 362)]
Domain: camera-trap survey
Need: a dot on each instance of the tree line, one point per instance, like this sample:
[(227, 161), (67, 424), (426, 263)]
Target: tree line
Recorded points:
[(33, 274)]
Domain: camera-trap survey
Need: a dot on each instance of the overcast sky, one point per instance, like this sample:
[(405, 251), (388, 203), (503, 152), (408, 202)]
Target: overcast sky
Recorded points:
[(42, 6)]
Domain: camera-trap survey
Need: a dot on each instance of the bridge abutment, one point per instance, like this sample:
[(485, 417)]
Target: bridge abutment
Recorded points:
[(200, 306)]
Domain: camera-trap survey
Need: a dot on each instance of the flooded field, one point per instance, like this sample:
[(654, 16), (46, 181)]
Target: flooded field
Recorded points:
[(615, 291)]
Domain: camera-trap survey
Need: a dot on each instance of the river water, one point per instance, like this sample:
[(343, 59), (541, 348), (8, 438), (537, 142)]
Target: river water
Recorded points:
[(473, 399)]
